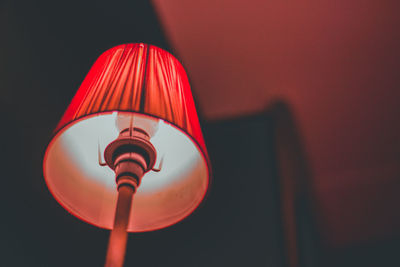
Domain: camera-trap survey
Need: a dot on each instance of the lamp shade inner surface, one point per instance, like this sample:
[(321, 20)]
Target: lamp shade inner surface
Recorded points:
[(76, 178)]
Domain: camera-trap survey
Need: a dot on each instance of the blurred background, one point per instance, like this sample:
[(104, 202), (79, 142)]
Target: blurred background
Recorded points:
[(299, 108)]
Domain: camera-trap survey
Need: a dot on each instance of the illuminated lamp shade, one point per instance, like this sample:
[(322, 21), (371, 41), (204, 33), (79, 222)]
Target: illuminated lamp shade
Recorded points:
[(134, 107)]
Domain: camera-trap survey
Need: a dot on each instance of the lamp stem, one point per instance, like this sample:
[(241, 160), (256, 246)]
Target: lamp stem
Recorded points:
[(119, 236), (131, 155)]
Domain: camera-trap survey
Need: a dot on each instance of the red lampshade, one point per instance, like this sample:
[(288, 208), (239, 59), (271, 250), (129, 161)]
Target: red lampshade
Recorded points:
[(140, 86)]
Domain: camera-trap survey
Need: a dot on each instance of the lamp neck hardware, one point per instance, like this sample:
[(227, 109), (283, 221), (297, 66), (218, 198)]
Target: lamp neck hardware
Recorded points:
[(131, 155)]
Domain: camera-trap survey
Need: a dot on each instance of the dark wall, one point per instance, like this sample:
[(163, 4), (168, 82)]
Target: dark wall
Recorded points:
[(46, 49)]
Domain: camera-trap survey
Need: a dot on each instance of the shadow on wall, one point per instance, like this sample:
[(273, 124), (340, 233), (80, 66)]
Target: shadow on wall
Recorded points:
[(299, 225), (304, 243)]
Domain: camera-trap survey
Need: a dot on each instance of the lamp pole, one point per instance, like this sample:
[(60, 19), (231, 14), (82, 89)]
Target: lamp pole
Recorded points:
[(131, 155), (119, 235)]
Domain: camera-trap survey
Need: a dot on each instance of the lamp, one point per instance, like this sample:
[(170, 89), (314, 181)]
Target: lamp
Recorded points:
[(131, 129)]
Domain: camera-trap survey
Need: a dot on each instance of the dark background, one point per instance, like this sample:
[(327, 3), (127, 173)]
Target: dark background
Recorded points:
[(46, 49)]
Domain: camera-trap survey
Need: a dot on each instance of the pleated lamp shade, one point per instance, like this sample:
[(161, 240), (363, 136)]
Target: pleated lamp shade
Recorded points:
[(140, 86)]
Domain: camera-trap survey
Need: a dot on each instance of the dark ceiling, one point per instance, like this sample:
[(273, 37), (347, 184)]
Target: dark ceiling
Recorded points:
[(335, 64)]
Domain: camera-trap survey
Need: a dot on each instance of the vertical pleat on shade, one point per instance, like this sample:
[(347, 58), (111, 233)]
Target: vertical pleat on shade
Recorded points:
[(131, 85), (140, 78)]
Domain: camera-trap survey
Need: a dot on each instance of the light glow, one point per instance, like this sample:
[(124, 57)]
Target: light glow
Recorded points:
[(89, 191)]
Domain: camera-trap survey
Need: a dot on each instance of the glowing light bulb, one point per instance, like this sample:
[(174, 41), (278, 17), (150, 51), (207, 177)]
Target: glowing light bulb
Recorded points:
[(126, 120)]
